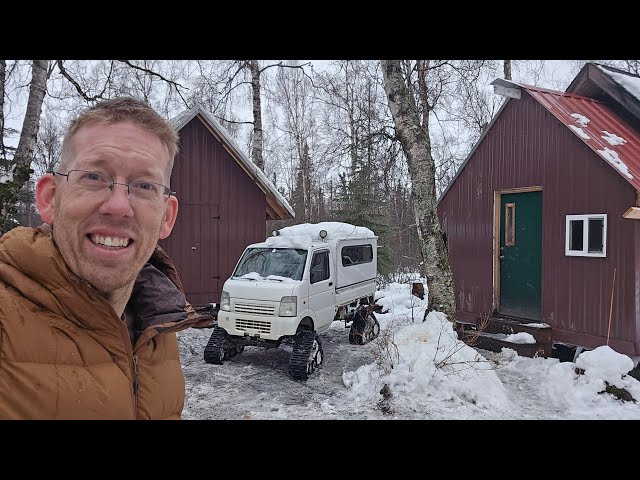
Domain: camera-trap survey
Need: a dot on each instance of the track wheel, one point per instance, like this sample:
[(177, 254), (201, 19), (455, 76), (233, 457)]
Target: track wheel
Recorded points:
[(307, 355), (363, 330), (217, 347)]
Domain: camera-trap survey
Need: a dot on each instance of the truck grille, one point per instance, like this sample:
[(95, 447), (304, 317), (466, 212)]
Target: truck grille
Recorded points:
[(244, 325), (255, 309)]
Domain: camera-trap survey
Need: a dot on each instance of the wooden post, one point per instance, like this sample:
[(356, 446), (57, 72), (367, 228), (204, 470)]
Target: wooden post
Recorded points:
[(417, 289), (613, 286)]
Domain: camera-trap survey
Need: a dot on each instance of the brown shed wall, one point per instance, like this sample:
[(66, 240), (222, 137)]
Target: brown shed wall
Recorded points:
[(527, 146), (210, 183)]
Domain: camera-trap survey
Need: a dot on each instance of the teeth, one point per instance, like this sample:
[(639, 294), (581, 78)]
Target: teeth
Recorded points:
[(109, 241)]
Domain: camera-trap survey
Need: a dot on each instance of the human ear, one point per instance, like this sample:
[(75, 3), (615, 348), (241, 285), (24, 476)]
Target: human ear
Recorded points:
[(169, 218), (46, 197)]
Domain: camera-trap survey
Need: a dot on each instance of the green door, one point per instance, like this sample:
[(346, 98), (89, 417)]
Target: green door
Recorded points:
[(521, 255)]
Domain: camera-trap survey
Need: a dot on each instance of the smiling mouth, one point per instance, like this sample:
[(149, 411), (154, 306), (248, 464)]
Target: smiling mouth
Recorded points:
[(110, 242)]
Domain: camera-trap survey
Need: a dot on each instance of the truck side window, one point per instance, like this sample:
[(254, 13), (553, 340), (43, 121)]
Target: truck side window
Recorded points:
[(356, 254), (319, 267)]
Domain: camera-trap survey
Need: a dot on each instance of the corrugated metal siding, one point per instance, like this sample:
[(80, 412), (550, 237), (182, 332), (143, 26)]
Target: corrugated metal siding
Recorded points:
[(601, 120), (527, 146), (209, 182)]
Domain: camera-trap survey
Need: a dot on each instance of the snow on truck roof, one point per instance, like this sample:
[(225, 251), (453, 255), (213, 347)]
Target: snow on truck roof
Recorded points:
[(303, 235)]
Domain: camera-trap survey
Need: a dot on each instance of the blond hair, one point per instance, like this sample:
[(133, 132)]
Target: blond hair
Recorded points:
[(123, 109)]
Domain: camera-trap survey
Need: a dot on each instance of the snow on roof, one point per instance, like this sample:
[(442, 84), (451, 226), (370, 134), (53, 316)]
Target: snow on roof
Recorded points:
[(304, 234), (631, 83), (591, 120), (333, 229), (599, 127)]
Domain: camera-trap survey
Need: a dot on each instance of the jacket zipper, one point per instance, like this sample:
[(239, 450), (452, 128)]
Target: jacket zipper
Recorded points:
[(135, 384)]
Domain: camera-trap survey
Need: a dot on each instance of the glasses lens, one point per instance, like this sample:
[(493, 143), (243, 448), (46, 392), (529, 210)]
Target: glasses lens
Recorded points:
[(93, 181), (147, 190)]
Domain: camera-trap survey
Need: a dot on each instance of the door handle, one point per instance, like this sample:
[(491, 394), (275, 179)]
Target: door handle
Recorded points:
[(330, 284), (501, 257)]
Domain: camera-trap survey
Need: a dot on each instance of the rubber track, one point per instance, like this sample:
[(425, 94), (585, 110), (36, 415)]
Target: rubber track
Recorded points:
[(300, 355), (358, 327), (215, 349)]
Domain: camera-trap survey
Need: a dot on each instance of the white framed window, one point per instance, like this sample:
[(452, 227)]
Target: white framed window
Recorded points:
[(586, 235)]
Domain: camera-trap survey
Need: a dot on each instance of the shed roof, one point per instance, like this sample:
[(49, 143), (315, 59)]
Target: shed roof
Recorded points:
[(597, 125), (600, 81), (277, 206)]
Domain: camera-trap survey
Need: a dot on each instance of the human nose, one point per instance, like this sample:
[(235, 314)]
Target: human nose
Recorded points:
[(117, 201), (113, 185)]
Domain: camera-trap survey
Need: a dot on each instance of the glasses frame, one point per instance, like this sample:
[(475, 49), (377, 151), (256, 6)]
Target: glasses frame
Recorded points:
[(167, 190)]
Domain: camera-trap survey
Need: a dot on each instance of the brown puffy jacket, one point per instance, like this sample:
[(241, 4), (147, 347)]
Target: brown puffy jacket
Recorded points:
[(65, 354)]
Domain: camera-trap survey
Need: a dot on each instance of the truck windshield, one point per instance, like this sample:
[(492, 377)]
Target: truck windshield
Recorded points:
[(283, 262)]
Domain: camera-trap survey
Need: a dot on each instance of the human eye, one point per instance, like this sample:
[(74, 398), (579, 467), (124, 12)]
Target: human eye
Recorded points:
[(145, 186), (90, 179)]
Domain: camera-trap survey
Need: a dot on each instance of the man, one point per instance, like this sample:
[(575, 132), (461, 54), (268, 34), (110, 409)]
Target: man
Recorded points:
[(89, 303)]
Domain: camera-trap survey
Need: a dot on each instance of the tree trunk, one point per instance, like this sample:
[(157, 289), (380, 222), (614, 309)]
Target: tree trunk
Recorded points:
[(507, 69), (28, 136), (414, 138), (3, 66), (305, 164), (256, 149)]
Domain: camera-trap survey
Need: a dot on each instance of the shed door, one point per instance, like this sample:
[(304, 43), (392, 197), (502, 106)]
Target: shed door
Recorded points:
[(193, 247), (521, 255)]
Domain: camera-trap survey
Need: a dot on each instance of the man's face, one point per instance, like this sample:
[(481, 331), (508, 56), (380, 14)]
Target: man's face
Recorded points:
[(106, 237)]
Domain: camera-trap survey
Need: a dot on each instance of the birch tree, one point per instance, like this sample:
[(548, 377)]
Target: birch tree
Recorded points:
[(3, 69), (21, 169), (507, 69), (412, 127)]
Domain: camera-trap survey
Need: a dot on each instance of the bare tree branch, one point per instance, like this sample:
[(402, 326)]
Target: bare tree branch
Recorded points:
[(171, 83), (77, 86)]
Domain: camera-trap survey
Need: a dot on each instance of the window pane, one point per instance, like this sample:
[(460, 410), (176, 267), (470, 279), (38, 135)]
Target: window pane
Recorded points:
[(320, 267), (575, 240), (596, 228), (355, 254), (509, 224), (282, 262)]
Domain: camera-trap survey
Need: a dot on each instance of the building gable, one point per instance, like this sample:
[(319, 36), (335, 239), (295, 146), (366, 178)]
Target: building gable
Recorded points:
[(277, 207)]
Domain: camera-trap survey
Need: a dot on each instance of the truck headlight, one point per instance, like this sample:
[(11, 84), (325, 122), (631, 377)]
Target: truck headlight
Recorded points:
[(288, 307), (225, 304)]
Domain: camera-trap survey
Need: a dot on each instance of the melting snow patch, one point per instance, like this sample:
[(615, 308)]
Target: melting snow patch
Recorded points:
[(580, 132), (612, 138), (581, 119), (612, 157), (520, 337)]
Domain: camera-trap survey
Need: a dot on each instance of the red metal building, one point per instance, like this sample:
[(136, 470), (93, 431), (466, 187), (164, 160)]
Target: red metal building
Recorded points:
[(541, 219), (224, 203)]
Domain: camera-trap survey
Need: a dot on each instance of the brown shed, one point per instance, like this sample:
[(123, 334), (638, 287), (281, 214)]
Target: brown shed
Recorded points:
[(224, 204), (539, 219)]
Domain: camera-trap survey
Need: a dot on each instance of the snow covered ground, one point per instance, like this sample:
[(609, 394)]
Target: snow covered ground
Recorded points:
[(434, 376)]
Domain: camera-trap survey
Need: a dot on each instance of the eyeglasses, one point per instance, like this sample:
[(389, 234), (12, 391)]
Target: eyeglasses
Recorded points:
[(94, 181)]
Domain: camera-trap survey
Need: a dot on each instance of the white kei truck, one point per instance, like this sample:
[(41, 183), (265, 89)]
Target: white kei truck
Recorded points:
[(291, 287)]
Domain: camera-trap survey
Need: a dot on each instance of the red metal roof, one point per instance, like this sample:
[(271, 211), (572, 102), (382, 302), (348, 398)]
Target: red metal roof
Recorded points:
[(602, 123)]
